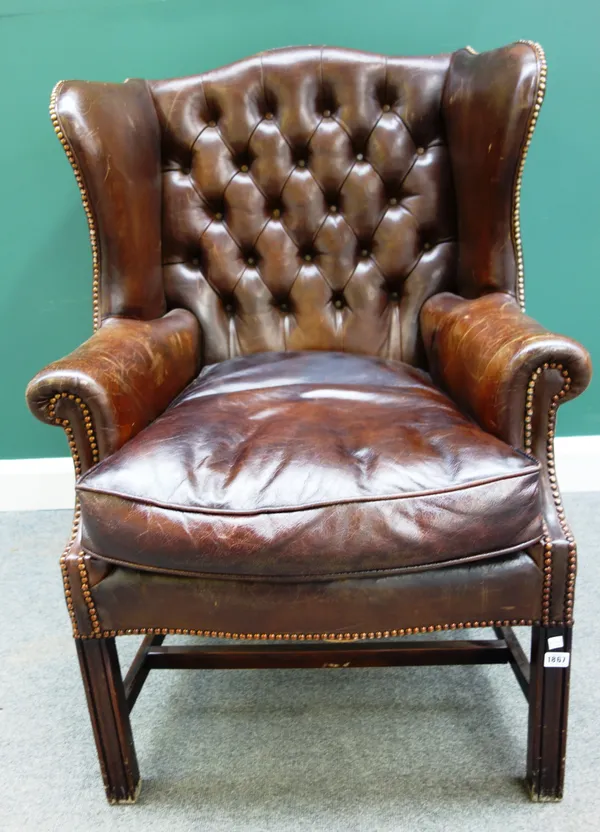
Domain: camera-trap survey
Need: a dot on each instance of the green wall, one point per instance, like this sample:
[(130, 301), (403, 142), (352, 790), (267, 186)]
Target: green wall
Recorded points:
[(45, 289)]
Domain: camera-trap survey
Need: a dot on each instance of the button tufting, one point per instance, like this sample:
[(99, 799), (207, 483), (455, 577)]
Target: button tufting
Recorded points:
[(250, 261), (426, 246), (364, 252), (276, 213), (394, 294), (326, 113), (244, 168), (308, 257), (386, 108), (229, 307), (333, 209), (212, 123), (195, 261), (338, 303), (393, 200), (186, 171), (284, 307), (301, 163), (359, 157), (420, 151), (269, 116), (218, 215)]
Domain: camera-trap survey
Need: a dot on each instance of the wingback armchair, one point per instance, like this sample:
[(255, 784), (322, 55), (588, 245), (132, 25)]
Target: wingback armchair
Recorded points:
[(313, 417)]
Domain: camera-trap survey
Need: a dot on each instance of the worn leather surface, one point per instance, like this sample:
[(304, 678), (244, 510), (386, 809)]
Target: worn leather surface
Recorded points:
[(488, 101), (127, 373), (507, 588), (483, 352), (241, 196), (302, 178), (113, 133), (309, 464)]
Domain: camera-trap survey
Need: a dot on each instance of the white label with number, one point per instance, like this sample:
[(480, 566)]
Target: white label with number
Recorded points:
[(556, 659)]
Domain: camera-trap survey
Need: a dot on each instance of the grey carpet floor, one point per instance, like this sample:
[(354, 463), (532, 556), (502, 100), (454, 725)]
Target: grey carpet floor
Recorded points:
[(413, 749)]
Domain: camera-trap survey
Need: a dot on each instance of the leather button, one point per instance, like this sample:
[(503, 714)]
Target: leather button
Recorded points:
[(276, 213), (212, 123), (386, 108), (338, 303), (420, 151), (394, 295), (393, 200), (308, 257), (284, 307), (186, 171), (359, 157), (326, 113), (218, 215), (229, 308), (244, 168), (301, 163), (195, 261), (364, 252), (426, 246), (250, 261), (269, 116), (333, 209)]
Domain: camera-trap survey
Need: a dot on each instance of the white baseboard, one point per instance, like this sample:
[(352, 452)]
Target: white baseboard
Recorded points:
[(36, 484), (41, 484)]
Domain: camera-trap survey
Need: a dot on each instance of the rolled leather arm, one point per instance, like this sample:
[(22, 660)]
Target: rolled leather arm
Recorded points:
[(489, 357), (117, 382)]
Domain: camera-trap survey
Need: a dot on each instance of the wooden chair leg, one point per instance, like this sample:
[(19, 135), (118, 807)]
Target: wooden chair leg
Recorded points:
[(110, 718), (548, 706)]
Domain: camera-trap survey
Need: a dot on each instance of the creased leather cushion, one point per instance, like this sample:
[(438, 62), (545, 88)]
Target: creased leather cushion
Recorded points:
[(306, 465)]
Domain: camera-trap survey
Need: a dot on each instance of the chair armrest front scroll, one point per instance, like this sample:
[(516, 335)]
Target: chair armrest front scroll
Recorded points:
[(491, 358), (511, 375), (117, 382)]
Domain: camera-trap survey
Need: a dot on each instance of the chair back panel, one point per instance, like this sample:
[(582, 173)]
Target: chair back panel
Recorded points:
[(307, 201)]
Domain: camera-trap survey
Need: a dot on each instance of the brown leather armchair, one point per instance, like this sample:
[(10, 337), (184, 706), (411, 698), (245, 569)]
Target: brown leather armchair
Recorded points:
[(313, 416)]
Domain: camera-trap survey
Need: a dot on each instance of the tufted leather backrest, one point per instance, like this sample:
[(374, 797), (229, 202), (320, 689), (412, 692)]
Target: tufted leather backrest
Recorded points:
[(307, 201), (305, 198)]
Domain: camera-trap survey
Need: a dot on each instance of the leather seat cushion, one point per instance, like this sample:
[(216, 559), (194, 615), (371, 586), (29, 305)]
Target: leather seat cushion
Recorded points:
[(309, 465)]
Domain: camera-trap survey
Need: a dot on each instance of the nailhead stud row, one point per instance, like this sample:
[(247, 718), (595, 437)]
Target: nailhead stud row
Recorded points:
[(516, 211), (170, 631), (546, 540), (89, 428), (86, 205), (87, 594), (64, 423), (65, 572)]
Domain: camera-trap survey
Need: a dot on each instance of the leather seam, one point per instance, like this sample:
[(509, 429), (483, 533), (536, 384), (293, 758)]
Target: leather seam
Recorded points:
[(175, 507), (323, 576)]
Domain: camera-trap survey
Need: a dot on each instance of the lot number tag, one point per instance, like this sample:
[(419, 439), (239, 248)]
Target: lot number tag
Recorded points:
[(556, 659)]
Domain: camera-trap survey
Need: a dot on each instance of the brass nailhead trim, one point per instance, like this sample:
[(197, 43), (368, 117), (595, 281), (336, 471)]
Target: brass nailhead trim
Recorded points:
[(86, 205), (65, 573), (547, 543), (170, 631), (64, 423), (87, 421), (85, 589), (516, 211)]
